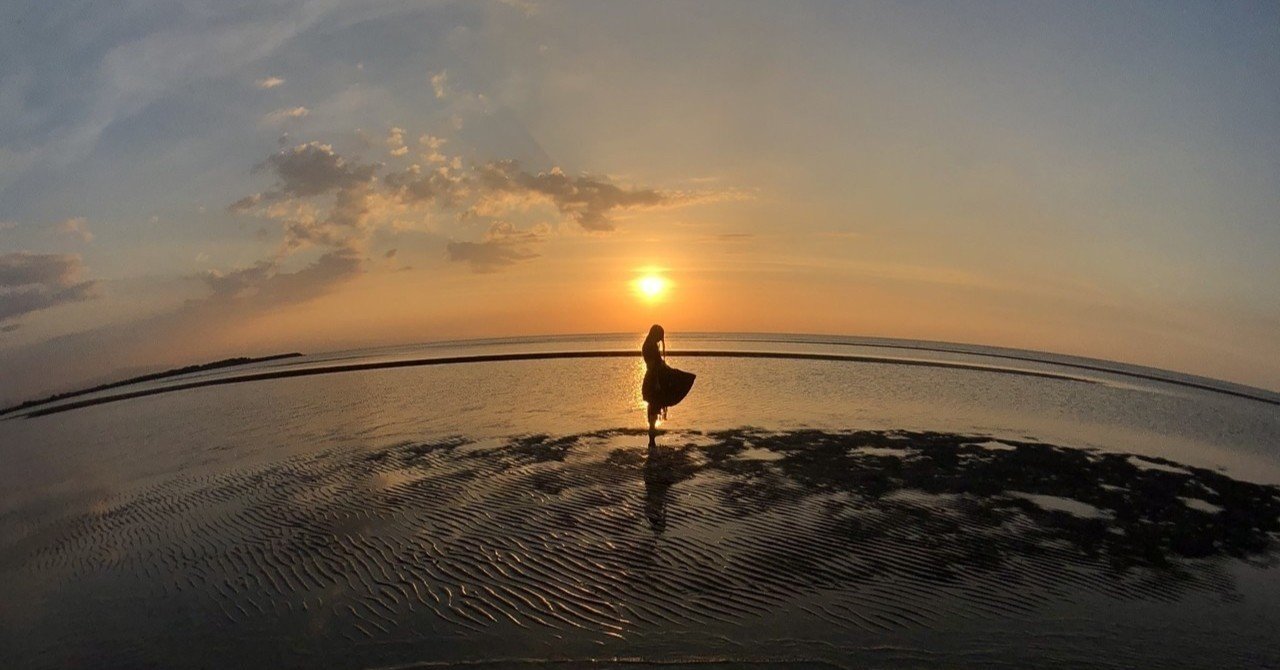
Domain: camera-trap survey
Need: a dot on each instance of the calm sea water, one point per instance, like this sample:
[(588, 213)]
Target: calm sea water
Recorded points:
[(916, 504)]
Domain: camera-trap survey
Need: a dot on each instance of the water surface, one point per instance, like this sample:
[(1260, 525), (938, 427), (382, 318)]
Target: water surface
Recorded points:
[(912, 505)]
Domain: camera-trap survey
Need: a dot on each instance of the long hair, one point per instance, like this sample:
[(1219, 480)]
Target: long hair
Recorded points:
[(656, 333)]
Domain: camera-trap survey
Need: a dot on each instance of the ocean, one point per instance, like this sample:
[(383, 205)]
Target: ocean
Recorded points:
[(816, 501)]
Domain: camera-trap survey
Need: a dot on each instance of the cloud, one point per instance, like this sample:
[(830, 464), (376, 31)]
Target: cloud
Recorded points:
[(441, 186), (321, 198), (395, 142), (346, 222), (284, 114), (76, 228), (313, 169), (395, 137), (440, 83), (590, 202), (264, 285), (238, 282), (8, 225), (503, 245), (201, 327), (57, 109), (31, 282), (269, 82), (23, 268), (487, 256), (431, 149), (309, 171), (245, 204)]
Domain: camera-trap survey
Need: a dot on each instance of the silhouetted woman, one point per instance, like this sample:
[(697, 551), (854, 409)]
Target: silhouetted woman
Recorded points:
[(663, 385)]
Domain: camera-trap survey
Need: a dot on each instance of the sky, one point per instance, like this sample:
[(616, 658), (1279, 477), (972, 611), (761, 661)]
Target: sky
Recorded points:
[(185, 181)]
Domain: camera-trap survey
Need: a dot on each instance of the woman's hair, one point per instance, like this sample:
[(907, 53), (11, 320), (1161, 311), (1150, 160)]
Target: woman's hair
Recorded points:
[(656, 333)]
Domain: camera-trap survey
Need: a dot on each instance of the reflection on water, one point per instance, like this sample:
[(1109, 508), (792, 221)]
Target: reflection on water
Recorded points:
[(828, 543), (662, 468)]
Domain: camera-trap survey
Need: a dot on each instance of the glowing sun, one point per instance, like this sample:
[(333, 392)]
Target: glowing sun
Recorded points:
[(652, 287)]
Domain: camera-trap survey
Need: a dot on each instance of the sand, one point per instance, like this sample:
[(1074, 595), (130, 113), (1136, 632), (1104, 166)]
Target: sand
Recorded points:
[(813, 547)]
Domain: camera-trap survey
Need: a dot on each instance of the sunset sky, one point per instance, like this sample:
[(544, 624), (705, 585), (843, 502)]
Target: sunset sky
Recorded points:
[(186, 181)]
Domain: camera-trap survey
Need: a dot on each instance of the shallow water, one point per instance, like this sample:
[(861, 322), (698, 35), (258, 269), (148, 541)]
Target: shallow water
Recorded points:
[(820, 512)]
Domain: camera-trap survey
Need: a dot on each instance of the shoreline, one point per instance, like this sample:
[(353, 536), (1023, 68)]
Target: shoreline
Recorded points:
[(150, 377), (536, 356)]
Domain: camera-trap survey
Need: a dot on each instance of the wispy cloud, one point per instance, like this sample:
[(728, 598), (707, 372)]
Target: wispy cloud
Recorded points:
[(588, 201), (114, 80), (503, 245), (76, 228), (269, 82), (731, 237), (440, 83), (268, 286), (285, 114), (31, 282)]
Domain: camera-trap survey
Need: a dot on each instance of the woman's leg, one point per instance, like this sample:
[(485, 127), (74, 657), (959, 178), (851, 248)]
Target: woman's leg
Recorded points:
[(653, 420)]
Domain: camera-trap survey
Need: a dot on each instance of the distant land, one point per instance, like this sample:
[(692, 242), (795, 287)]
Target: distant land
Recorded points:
[(202, 367)]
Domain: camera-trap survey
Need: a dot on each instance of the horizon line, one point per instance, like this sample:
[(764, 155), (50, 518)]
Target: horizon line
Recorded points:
[(560, 355)]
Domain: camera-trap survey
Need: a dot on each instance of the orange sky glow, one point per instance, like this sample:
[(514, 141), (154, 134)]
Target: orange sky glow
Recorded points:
[(1067, 180)]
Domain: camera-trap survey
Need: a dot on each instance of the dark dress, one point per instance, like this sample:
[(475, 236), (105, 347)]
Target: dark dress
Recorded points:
[(663, 385)]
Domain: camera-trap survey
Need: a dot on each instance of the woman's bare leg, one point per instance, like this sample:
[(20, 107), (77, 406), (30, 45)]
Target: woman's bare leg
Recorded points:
[(653, 421)]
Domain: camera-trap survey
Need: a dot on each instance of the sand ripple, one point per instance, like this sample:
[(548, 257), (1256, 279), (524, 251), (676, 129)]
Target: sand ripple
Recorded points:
[(566, 541)]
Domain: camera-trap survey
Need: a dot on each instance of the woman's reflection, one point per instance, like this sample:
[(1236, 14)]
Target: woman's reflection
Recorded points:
[(656, 485), (663, 468)]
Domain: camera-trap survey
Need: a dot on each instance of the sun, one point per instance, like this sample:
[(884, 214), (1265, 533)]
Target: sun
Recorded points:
[(652, 287)]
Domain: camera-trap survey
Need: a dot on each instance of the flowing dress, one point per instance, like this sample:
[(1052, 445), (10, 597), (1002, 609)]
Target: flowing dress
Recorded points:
[(663, 385)]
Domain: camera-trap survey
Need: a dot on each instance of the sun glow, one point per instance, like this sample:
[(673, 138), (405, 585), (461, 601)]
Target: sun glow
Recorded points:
[(652, 287)]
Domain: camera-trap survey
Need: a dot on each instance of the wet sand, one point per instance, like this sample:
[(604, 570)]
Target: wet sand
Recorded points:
[(813, 548)]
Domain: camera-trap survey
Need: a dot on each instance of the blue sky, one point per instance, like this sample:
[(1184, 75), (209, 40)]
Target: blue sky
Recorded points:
[(1089, 178)]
